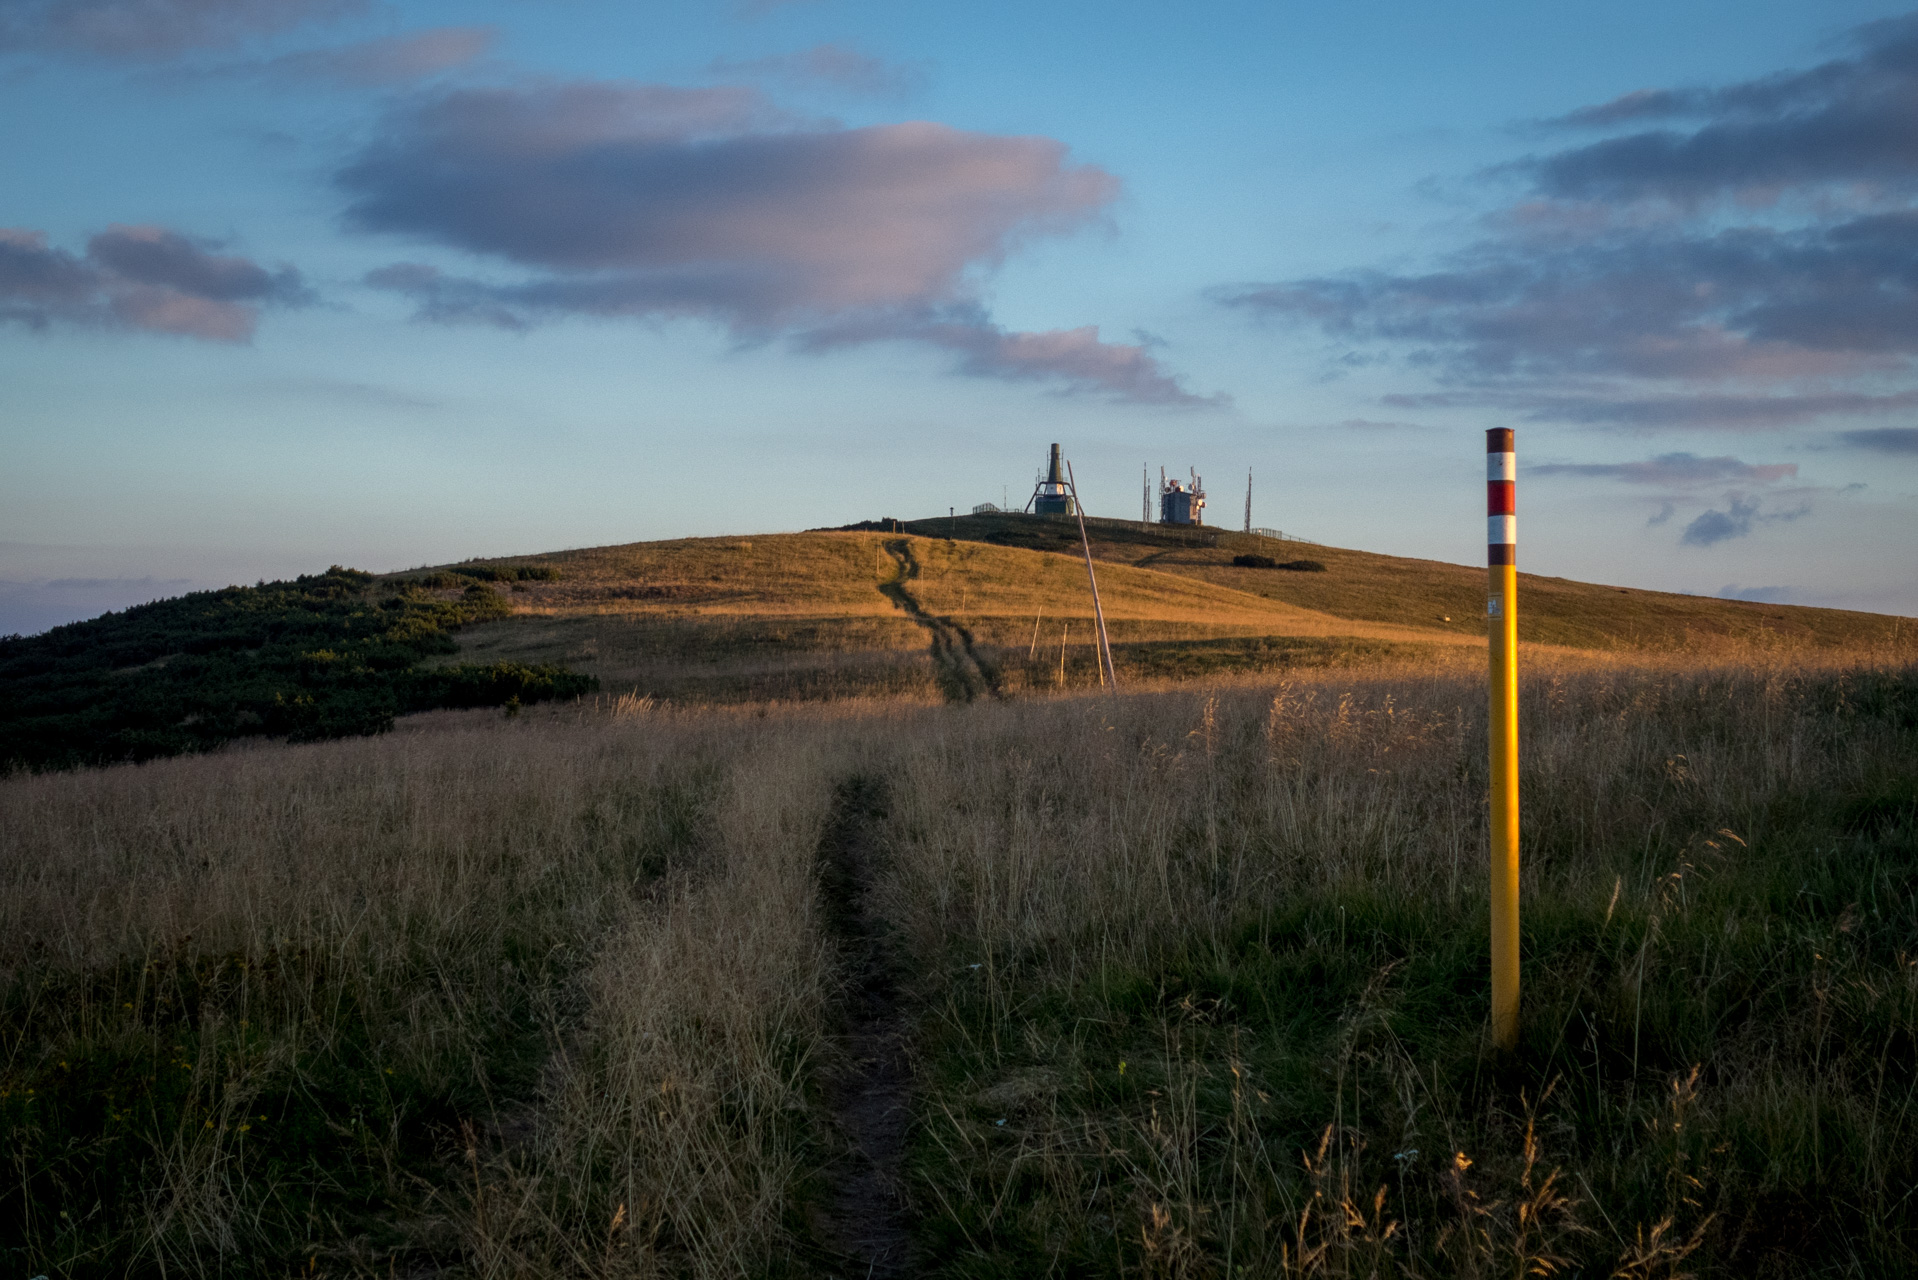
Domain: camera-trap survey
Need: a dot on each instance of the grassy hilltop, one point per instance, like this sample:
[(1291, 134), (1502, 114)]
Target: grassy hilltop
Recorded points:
[(990, 602)]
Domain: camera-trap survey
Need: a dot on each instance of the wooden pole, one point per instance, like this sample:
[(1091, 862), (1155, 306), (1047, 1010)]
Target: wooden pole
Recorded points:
[(1108, 674), (1035, 636), (1502, 628)]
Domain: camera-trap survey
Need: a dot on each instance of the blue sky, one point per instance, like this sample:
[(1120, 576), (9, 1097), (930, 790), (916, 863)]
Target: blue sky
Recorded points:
[(285, 283)]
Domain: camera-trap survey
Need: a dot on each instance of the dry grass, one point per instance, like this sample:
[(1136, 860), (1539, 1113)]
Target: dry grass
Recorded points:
[(821, 616), (1197, 983), (445, 997), (1168, 940)]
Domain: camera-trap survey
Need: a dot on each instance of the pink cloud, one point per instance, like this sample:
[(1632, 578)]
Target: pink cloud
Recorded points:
[(139, 277)]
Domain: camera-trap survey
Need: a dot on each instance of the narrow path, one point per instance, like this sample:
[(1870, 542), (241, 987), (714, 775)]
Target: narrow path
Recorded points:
[(863, 1224), (955, 661)]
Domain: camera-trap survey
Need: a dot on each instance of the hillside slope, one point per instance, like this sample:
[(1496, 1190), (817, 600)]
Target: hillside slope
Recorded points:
[(1366, 586), (990, 603)]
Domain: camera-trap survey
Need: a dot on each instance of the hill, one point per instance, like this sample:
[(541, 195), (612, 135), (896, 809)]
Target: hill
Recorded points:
[(979, 606), (997, 603)]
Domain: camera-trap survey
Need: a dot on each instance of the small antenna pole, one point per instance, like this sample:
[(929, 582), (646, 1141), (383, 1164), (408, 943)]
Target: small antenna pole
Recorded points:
[(1248, 499)]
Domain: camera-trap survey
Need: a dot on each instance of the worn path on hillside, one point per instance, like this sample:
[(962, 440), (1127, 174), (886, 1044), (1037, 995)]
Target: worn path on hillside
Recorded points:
[(863, 1224), (962, 675)]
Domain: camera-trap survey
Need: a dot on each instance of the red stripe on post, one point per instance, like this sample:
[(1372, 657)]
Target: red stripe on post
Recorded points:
[(1498, 440), (1501, 497)]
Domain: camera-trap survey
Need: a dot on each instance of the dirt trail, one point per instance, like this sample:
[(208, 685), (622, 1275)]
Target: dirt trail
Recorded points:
[(863, 1224), (955, 662)]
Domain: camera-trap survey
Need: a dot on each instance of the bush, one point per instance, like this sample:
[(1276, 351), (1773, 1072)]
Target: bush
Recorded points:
[(1255, 562), (317, 657), (1303, 566)]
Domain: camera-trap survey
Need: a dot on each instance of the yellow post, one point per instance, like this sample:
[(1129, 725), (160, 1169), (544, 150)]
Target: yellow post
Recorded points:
[(1502, 627)]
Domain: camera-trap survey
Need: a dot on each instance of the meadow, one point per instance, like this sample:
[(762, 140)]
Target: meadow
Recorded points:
[(1184, 981)]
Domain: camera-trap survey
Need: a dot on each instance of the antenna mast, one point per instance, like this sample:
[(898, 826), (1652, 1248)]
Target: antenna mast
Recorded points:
[(1248, 500)]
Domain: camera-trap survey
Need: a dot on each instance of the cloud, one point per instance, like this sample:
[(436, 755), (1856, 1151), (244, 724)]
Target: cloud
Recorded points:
[(1672, 470), (833, 66), (1708, 410), (1748, 302), (154, 29), (624, 200), (1737, 520), (140, 277), (1663, 516), (1728, 260), (1073, 359), (1844, 122), (1883, 439), (388, 61)]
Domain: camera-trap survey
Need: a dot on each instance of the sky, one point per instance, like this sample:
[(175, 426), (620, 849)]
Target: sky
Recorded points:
[(293, 283)]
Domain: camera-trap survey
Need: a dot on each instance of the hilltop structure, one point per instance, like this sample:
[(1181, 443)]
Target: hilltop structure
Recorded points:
[(1052, 495), (1180, 503)]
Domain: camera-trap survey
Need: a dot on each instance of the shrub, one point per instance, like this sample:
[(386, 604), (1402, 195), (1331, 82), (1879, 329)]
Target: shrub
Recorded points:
[(1255, 562), (309, 659)]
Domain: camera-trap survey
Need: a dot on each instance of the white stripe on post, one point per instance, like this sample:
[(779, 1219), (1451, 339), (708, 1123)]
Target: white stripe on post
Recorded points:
[(1501, 530)]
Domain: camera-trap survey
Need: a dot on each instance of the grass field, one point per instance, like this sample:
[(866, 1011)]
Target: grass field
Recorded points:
[(1190, 982)]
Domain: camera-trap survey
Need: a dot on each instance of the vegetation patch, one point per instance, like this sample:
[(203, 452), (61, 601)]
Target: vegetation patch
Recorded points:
[(1205, 992), (323, 656)]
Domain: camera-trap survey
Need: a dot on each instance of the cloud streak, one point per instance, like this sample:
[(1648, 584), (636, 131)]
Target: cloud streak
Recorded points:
[(641, 201), (1896, 440), (830, 66), (389, 61), (141, 278), (152, 30), (1674, 470)]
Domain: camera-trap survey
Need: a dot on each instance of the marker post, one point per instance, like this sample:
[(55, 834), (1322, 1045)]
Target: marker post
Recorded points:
[(1501, 608)]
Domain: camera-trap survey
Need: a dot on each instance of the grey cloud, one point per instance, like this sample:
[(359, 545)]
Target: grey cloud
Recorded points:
[(1750, 302), (1663, 516), (154, 29), (388, 61), (1622, 267), (832, 65), (1711, 410), (1738, 519), (1073, 359), (1883, 439), (1845, 121), (627, 200), (1674, 470), (140, 277)]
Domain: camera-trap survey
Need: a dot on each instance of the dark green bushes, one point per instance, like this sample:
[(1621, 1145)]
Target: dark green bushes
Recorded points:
[(323, 656), (1251, 561), (461, 575)]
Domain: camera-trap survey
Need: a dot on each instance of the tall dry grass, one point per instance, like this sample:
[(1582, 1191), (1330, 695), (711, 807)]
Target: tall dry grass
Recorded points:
[(1196, 980), (1203, 978), (523, 998)]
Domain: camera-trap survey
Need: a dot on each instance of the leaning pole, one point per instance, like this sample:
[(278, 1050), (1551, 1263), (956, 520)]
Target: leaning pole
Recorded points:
[(1501, 609)]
